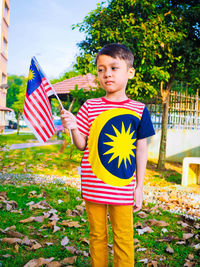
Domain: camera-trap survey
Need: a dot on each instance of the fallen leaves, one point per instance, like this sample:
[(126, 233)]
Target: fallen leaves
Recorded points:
[(56, 227), (38, 262), (173, 199), (65, 241), (146, 229), (32, 244), (170, 249), (70, 223), (154, 222), (34, 219)]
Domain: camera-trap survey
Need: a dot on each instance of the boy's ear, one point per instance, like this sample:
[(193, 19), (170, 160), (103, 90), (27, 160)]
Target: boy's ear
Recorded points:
[(131, 73)]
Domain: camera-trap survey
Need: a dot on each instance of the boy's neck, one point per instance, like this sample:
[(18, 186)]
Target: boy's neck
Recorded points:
[(116, 98)]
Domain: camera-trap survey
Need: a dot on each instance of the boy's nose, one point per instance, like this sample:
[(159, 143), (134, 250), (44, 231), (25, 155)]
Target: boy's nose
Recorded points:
[(107, 73)]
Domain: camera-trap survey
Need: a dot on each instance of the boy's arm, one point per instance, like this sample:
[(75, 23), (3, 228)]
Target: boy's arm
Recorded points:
[(141, 161), (69, 122)]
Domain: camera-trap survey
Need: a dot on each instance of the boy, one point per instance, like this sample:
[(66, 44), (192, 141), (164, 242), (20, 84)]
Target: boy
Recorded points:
[(112, 130)]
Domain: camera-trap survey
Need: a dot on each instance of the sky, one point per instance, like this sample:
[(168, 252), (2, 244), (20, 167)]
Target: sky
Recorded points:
[(43, 28)]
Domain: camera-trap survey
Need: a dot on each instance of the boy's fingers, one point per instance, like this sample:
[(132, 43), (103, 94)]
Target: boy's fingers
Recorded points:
[(62, 111)]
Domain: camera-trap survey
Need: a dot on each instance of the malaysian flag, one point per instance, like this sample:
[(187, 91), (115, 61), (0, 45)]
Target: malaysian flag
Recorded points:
[(37, 109)]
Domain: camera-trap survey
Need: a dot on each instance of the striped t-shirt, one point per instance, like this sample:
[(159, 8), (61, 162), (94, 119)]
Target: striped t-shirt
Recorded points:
[(106, 123)]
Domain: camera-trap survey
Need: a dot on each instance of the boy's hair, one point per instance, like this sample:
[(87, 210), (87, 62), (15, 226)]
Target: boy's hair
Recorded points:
[(115, 50)]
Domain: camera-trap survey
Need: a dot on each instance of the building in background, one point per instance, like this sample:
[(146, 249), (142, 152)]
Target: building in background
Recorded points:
[(4, 26)]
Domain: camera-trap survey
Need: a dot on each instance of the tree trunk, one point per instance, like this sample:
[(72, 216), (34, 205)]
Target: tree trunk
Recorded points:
[(165, 108), (18, 128)]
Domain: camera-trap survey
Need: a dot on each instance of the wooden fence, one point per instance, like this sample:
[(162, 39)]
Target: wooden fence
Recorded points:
[(184, 111)]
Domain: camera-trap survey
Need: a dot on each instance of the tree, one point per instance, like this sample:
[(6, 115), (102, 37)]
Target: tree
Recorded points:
[(164, 37), (14, 83), (16, 95)]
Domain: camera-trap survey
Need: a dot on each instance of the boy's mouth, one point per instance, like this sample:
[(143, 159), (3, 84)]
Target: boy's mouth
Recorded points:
[(108, 82)]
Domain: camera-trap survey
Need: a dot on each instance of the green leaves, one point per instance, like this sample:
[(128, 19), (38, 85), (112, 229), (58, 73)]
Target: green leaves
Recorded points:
[(160, 33)]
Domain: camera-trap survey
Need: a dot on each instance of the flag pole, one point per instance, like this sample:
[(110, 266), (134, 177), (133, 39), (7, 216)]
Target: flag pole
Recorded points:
[(70, 132)]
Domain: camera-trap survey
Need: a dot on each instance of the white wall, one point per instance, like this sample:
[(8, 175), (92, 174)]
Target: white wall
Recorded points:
[(180, 144)]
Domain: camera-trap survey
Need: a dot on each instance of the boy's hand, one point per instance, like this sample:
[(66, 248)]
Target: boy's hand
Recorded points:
[(68, 119), (138, 196)]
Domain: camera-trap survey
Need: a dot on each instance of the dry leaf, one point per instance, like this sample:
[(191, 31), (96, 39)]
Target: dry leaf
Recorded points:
[(138, 224), (36, 219), (184, 225), (154, 263), (190, 256), (17, 248), (187, 236), (71, 224), (85, 240), (26, 241), (141, 249), (16, 211), (72, 250), (145, 261), (155, 222), (38, 262), (164, 230), (10, 205), (48, 243), (37, 206), (7, 256), (13, 227), (189, 264), (14, 234), (54, 217), (30, 203), (65, 241), (142, 214), (36, 246), (80, 208), (69, 212), (30, 219), (85, 254), (169, 249), (3, 194), (56, 228), (11, 240), (39, 218), (32, 193), (54, 264), (180, 243), (70, 260), (146, 229), (197, 246)]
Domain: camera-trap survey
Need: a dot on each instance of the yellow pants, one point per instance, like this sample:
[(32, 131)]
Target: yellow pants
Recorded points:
[(121, 218)]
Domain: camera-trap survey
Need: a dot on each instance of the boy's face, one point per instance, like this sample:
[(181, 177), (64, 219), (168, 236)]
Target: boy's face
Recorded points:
[(113, 74)]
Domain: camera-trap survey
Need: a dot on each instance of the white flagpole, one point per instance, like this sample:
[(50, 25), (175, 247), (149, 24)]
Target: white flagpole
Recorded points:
[(70, 132)]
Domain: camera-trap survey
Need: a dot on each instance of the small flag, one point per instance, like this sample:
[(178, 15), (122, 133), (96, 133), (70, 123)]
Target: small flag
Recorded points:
[(37, 109)]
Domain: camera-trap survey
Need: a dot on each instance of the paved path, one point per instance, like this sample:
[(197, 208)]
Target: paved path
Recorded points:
[(27, 145)]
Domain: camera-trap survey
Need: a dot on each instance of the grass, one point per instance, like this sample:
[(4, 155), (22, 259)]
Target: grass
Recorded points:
[(34, 230), (41, 160), (16, 139), (47, 160), (42, 233)]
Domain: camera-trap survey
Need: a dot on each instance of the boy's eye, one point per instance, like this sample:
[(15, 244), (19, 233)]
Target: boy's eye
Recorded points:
[(114, 68), (100, 70)]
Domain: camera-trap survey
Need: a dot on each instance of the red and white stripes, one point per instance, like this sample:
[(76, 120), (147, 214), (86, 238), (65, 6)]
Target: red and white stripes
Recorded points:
[(37, 112), (94, 189)]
